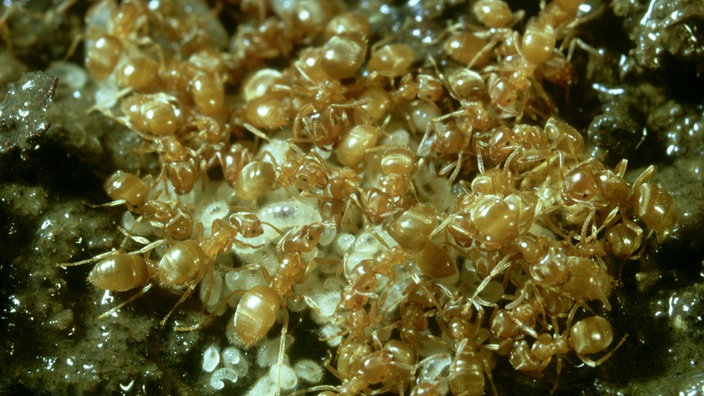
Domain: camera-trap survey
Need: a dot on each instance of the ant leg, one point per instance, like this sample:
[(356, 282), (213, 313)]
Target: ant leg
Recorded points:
[(129, 300)]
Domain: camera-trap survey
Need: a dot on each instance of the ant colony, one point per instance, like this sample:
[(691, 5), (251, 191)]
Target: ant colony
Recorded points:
[(401, 183)]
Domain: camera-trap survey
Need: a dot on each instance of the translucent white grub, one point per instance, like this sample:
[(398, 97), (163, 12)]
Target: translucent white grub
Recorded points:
[(366, 242), (268, 352), (263, 256), (287, 214), (106, 95), (398, 137), (231, 356), (136, 228), (352, 260), (264, 387), (327, 236), (242, 368), (234, 359), (217, 380), (277, 149), (211, 358), (331, 334), (244, 279), (434, 189), (308, 370), (100, 18), (334, 284), (432, 347), (208, 212), (284, 376), (296, 306), (343, 243), (69, 74), (211, 291), (395, 293), (327, 301), (216, 31)]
